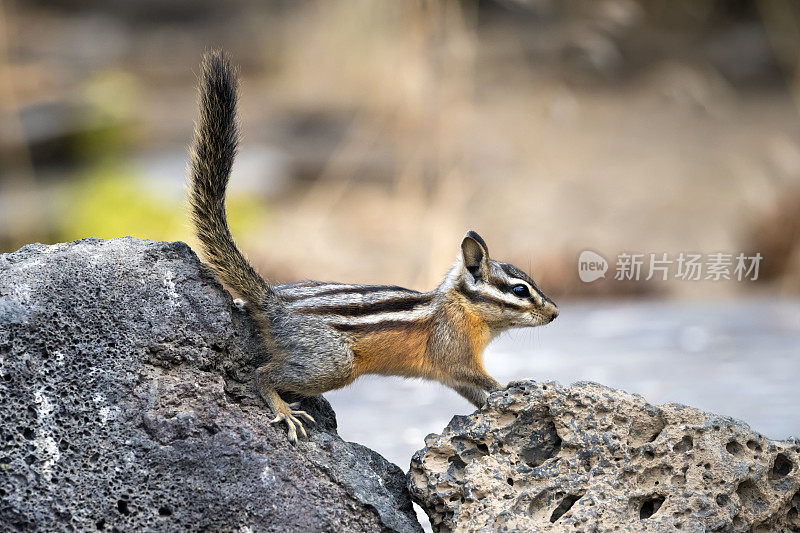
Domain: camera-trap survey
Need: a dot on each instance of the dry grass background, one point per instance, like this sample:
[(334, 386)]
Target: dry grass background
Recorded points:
[(377, 133)]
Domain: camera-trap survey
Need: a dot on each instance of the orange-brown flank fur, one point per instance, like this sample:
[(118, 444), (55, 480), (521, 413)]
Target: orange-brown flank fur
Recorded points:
[(398, 351)]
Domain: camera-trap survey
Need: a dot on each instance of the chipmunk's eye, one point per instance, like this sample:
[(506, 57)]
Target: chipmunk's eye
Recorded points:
[(521, 291)]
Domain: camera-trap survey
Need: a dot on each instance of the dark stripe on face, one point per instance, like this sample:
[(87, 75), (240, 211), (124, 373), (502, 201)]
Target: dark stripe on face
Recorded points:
[(478, 297), (505, 287), (514, 272), (502, 285), (385, 306), (349, 289), (383, 325)]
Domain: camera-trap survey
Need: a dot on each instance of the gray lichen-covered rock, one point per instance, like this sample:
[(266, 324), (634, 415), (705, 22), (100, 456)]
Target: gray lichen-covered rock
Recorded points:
[(544, 457), (126, 404)]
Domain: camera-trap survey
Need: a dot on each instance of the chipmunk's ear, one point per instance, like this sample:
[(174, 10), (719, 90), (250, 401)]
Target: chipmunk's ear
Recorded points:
[(475, 255)]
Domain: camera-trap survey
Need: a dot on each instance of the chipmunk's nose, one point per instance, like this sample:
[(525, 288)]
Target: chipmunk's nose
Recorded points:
[(551, 307)]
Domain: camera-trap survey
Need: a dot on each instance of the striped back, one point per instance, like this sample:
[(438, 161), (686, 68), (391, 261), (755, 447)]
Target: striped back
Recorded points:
[(358, 308)]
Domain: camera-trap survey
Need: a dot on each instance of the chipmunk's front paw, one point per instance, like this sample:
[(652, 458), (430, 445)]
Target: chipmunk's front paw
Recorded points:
[(292, 418)]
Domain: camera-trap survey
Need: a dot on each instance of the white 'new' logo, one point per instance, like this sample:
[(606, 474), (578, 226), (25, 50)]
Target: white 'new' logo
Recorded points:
[(591, 266)]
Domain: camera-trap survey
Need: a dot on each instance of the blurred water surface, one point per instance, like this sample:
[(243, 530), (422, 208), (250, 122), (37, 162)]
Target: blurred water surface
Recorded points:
[(737, 358)]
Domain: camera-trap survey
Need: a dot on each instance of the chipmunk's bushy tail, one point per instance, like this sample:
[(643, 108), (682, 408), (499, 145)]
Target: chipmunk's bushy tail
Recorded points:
[(216, 138)]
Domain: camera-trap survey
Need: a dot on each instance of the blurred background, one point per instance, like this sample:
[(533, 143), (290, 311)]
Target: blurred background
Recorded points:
[(376, 133)]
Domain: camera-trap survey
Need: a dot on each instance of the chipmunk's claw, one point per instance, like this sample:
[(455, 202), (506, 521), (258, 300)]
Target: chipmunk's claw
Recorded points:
[(293, 424), (302, 414), (297, 412)]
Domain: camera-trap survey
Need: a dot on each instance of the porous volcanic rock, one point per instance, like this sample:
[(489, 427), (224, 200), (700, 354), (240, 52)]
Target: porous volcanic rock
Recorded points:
[(545, 457), (126, 404)]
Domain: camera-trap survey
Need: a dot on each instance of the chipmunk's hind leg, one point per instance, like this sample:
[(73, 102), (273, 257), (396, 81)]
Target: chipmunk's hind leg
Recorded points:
[(284, 412)]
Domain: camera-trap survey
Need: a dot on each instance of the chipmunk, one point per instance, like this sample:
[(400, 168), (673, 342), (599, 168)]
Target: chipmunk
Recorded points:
[(322, 336)]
